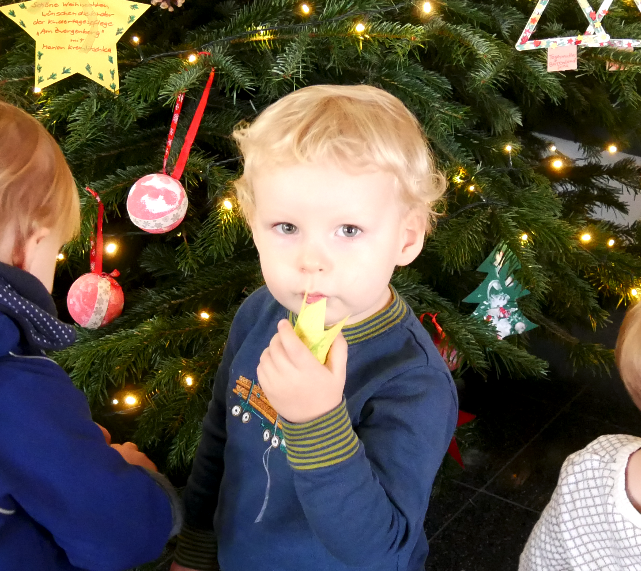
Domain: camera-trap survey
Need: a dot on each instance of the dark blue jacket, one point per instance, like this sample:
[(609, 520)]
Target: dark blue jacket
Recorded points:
[(67, 500), (345, 492)]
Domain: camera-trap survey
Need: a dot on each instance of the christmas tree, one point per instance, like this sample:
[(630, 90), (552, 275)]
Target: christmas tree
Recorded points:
[(481, 103)]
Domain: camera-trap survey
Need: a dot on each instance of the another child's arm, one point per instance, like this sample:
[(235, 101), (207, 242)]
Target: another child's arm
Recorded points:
[(104, 512), (363, 492)]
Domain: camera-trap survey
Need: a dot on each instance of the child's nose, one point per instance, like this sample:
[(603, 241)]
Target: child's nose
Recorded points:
[(313, 258)]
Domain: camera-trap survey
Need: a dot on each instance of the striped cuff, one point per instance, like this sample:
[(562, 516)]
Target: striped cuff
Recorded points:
[(196, 549), (323, 442)]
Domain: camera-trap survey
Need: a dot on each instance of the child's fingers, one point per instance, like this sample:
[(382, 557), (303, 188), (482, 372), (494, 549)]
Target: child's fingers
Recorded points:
[(265, 370), (298, 354), (105, 433)]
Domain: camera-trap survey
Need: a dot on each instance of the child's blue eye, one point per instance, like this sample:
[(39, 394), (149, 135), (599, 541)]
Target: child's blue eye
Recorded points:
[(286, 228), (349, 231)]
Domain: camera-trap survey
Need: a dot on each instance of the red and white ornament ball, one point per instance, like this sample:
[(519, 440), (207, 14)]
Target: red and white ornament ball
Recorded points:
[(157, 203), (95, 300)]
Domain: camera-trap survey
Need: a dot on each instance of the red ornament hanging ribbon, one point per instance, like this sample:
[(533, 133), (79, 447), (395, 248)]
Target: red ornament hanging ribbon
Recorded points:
[(96, 298), (157, 203), (443, 346)]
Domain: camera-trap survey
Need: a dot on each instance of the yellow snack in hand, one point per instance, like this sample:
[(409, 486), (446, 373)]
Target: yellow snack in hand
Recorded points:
[(310, 328)]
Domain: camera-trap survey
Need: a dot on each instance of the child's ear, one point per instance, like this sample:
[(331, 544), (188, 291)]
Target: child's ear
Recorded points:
[(413, 227), (24, 257)]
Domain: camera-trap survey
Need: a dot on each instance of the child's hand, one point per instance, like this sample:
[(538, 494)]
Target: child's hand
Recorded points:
[(177, 567), (129, 451), (105, 433), (296, 384)]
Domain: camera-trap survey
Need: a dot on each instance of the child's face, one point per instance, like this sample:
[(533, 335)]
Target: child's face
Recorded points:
[(333, 233)]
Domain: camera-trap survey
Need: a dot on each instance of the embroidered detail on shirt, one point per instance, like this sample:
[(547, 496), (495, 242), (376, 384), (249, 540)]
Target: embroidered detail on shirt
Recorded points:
[(254, 403)]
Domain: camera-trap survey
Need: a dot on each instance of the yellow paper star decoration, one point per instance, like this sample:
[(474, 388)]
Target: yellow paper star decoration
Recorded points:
[(310, 328), (76, 36)]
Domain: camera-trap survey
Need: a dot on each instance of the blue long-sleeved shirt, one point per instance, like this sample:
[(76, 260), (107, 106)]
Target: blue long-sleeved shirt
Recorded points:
[(67, 500), (346, 491)]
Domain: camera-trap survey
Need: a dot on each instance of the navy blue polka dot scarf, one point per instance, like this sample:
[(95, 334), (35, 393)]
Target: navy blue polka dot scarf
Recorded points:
[(27, 302)]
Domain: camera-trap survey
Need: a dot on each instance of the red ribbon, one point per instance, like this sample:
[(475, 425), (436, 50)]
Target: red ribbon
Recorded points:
[(95, 256), (191, 133), (439, 329), (172, 129)]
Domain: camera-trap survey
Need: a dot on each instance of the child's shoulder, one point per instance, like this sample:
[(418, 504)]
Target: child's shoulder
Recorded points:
[(606, 452)]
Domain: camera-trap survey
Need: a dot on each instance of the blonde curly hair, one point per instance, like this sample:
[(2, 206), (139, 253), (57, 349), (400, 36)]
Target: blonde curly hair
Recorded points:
[(356, 126)]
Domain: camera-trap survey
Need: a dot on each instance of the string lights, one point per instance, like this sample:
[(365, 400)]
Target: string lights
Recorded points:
[(586, 237), (360, 27), (189, 380), (427, 8), (131, 400), (611, 242), (111, 248), (305, 9), (612, 149), (204, 315), (471, 188), (193, 58), (60, 257), (557, 164), (37, 90), (634, 292), (228, 204), (524, 237), (553, 148), (135, 40)]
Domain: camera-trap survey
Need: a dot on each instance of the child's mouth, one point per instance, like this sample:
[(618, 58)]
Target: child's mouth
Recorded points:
[(314, 297)]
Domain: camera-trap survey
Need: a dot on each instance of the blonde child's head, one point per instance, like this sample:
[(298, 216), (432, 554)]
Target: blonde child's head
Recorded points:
[(357, 127), (628, 352), (37, 190)]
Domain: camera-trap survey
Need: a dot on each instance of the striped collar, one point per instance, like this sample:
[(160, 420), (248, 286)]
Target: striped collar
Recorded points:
[(373, 325)]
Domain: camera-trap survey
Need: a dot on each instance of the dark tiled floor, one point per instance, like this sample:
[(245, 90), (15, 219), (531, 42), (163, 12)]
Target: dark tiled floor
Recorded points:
[(480, 518)]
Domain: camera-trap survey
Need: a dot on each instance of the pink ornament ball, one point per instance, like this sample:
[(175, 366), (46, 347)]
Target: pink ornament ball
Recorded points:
[(95, 300), (157, 203)]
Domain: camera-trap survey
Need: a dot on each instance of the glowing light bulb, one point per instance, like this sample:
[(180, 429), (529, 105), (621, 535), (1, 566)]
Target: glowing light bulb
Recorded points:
[(305, 9), (189, 381), (524, 237), (111, 248), (204, 315), (192, 58), (228, 205), (557, 164), (427, 7), (586, 237), (135, 40), (611, 242), (634, 292), (37, 90), (360, 27), (612, 149), (115, 401), (131, 400), (508, 148), (552, 148), (61, 256), (471, 188)]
